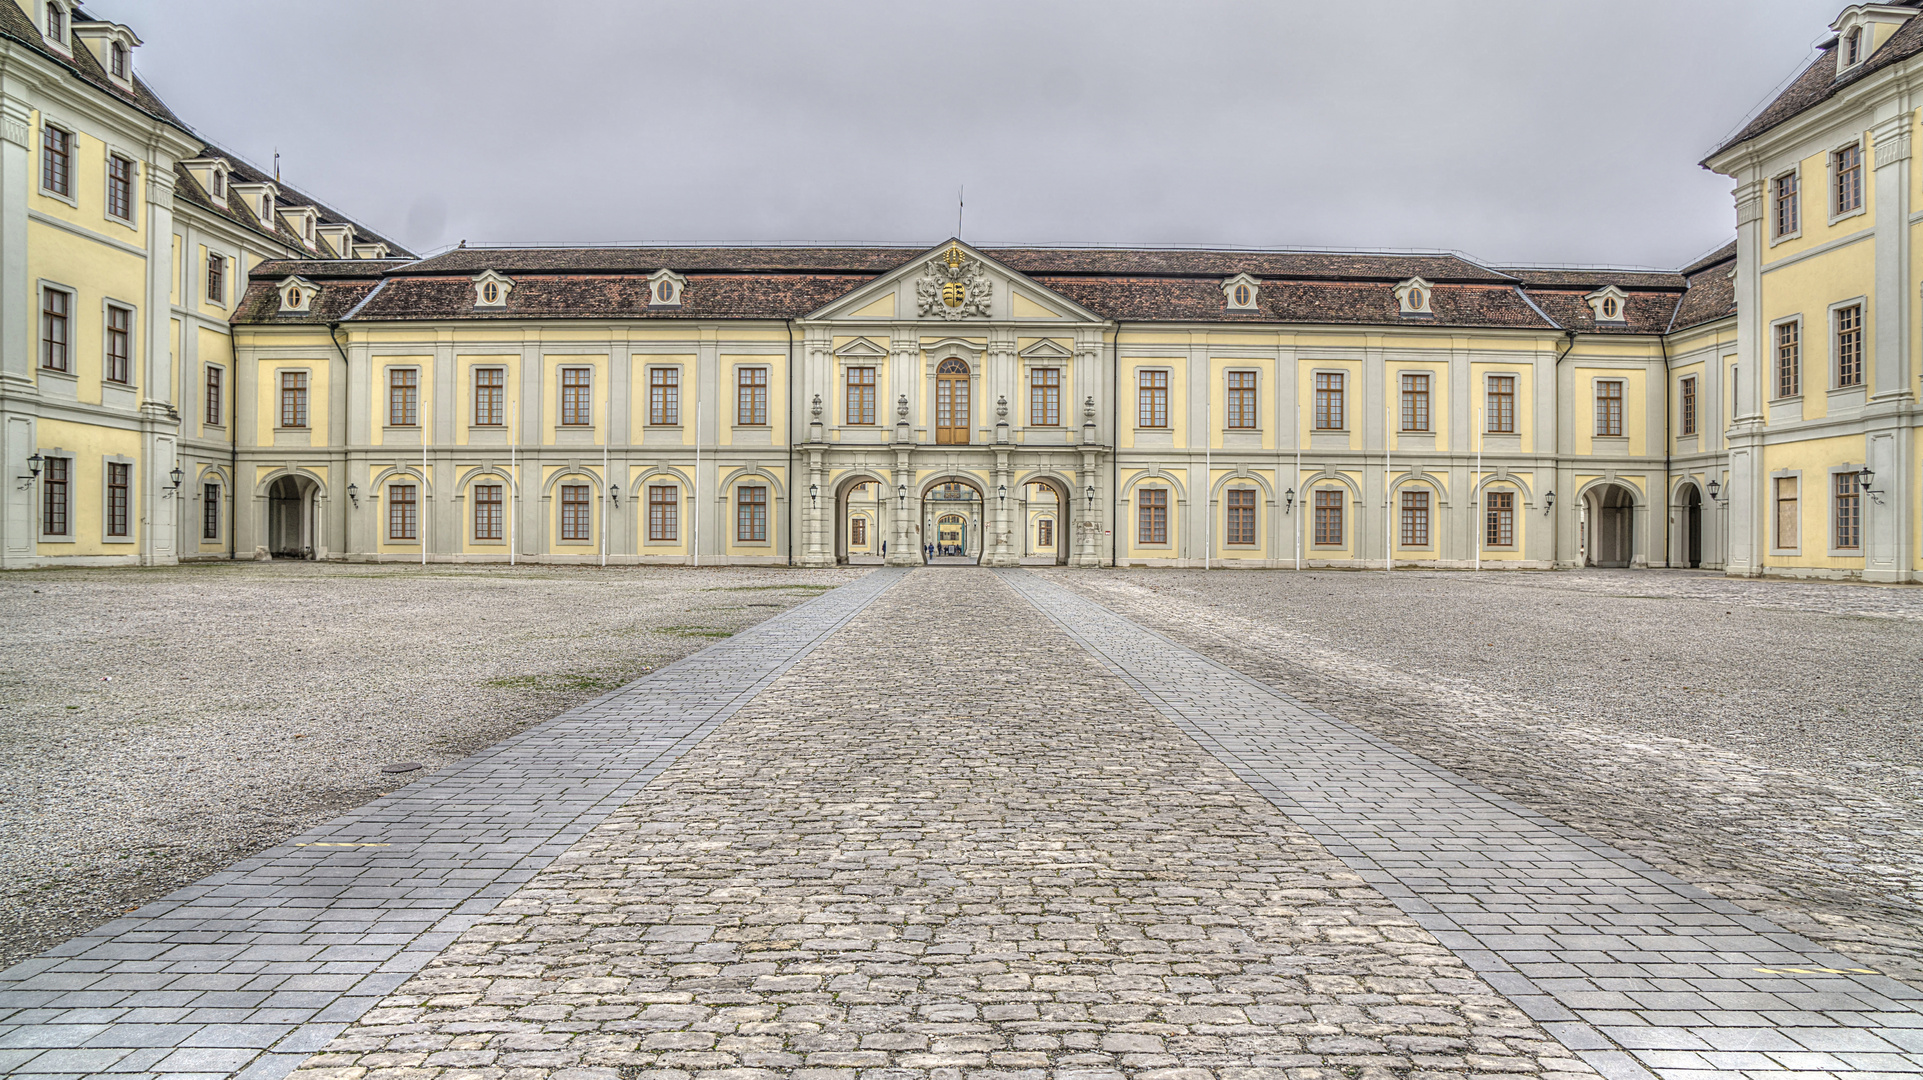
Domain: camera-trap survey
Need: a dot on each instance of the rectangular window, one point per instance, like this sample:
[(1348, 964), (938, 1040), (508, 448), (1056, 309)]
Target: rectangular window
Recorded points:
[(1045, 533), (120, 187), (1499, 414), (751, 396), (56, 161), (487, 511), (1415, 403), (490, 396), (1689, 405), (1788, 215), (293, 399), (1499, 519), (1849, 512), (1849, 345), (1328, 401), (1242, 400), (576, 523), (577, 404), (216, 277), (216, 411), (1241, 516), (401, 512), (1045, 397), (1151, 516), (664, 513), (751, 513), (1787, 533), (1152, 399), (120, 326), (54, 496), (210, 511), (403, 397), (1789, 360), (861, 395), (1328, 517), (858, 532), (664, 395), (1415, 519), (56, 306), (1609, 407), (118, 473), (1848, 165)]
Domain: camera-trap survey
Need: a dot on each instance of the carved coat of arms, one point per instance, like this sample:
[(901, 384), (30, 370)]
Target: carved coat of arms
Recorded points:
[(953, 286)]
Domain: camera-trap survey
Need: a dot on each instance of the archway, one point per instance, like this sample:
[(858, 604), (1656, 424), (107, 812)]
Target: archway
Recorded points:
[(1612, 526), (290, 518), (1689, 522), (1047, 535), (861, 508), (952, 521), (951, 402)]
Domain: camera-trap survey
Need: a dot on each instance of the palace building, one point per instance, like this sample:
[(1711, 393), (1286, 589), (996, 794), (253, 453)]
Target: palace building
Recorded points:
[(235, 371)]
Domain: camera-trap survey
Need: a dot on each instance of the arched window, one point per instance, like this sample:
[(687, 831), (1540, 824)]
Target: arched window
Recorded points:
[(56, 24), (951, 402), (1853, 47), (118, 60)]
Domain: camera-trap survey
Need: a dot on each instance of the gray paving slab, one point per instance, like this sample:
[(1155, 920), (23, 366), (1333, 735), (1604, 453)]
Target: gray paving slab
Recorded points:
[(1547, 913), (345, 912)]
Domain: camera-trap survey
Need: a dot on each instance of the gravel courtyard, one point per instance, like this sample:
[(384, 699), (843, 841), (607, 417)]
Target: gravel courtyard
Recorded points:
[(1761, 739), (156, 725)]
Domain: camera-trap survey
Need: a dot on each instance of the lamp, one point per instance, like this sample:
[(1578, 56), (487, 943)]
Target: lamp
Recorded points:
[(1002, 491), (176, 476), (901, 495), (33, 466), (1091, 496), (1863, 478), (614, 493), (1549, 501), (1715, 490), (354, 494), (1288, 501), (814, 493)]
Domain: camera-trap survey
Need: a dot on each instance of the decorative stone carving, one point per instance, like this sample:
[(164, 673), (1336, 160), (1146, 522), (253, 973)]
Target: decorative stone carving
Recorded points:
[(816, 409), (901, 409), (953, 286)]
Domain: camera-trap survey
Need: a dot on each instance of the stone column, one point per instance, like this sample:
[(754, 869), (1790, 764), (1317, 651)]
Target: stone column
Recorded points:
[(816, 550), (1000, 551), (19, 528), (1887, 512), (159, 420), (904, 549), (1747, 496)]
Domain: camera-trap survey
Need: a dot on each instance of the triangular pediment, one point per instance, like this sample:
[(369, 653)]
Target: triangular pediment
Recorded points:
[(954, 285)]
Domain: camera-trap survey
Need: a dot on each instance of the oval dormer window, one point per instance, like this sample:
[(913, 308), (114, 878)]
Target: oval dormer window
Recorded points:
[(664, 293), (1415, 299), (1609, 307), (1241, 296), (293, 298), (490, 292), (1853, 47)]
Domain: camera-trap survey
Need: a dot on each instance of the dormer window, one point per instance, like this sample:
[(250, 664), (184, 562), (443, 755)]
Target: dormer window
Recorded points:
[(491, 289), (1853, 47), (267, 208), (1242, 293), (296, 295), (1609, 304), (665, 288), (1413, 298), (220, 184), (56, 24)]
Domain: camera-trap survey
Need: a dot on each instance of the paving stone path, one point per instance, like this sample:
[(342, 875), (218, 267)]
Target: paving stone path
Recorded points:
[(973, 826), (1624, 963), (249, 970), (947, 844)]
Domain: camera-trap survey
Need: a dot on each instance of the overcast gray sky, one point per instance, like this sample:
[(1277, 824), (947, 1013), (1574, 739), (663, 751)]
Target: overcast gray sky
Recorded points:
[(1538, 131)]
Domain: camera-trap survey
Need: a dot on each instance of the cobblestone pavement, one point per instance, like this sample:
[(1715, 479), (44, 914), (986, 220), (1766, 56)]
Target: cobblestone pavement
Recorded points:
[(1628, 965), (946, 844), (250, 969), (160, 723), (1762, 740)]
